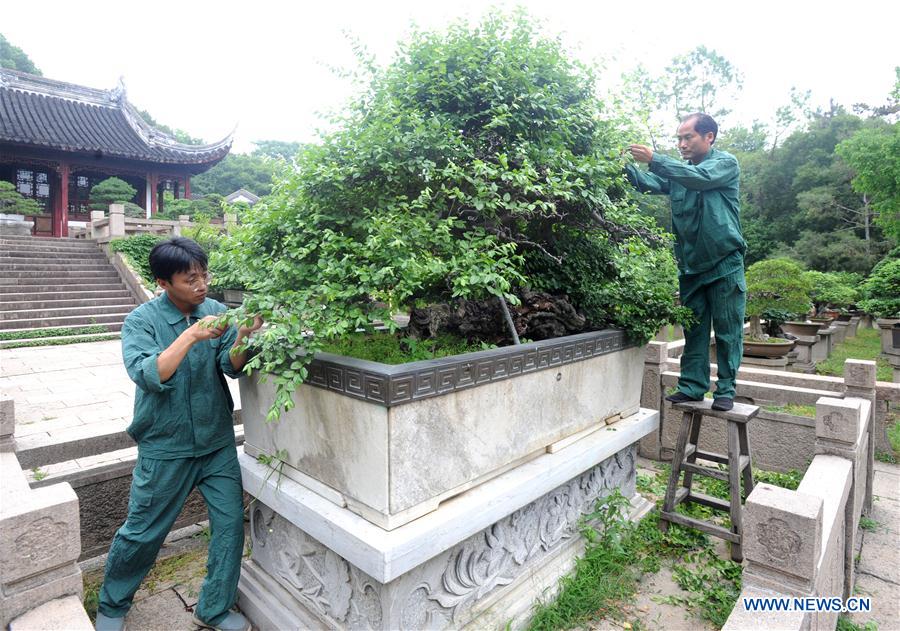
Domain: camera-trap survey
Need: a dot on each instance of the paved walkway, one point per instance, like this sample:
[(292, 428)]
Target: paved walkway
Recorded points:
[(76, 389)]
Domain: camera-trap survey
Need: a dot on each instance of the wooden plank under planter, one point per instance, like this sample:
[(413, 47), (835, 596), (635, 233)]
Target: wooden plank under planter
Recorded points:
[(392, 442)]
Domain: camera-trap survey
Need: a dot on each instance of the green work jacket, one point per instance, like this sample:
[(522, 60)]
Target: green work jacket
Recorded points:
[(705, 207), (189, 414)]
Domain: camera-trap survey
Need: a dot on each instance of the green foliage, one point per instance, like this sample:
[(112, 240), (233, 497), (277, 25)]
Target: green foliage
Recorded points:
[(112, 190), (251, 172), (866, 345), (836, 251), (137, 250), (61, 341), (777, 284), (478, 162), (14, 58), (389, 348), (796, 409), (52, 332), (699, 79), (14, 203), (874, 155), (832, 289), (881, 291), (277, 149)]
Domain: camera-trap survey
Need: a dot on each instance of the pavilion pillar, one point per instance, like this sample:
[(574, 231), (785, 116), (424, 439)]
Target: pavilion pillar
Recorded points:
[(60, 224), (152, 200), (187, 186), (176, 187), (148, 196)]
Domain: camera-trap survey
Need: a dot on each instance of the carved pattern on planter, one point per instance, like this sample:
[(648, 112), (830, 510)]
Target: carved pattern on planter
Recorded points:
[(442, 590), (395, 385)]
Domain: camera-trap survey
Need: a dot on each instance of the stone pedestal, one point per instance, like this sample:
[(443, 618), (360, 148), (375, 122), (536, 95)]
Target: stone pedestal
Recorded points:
[(15, 225), (854, 326), (841, 330), (481, 559), (821, 350), (775, 363), (804, 361), (886, 328)]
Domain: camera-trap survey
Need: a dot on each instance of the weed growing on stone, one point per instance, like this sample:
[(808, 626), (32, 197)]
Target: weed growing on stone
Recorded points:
[(846, 624), (38, 474), (808, 411), (867, 523), (883, 456), (866, 345), (91, 598)]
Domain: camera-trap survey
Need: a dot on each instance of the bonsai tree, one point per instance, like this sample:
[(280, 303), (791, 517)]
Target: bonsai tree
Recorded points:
[(14, 203), (881, 290), (113, 190), (475, 175), (832, 289), (775, 284)]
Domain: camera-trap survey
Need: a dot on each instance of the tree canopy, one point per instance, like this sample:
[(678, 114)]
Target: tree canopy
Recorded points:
[(14, 58)]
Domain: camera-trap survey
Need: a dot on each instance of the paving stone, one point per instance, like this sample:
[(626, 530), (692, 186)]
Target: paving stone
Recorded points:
[(162, 611), (885, 601), (881, 556)]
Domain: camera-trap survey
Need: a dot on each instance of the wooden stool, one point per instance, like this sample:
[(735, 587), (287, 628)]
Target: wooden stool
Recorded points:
[(685, 459)]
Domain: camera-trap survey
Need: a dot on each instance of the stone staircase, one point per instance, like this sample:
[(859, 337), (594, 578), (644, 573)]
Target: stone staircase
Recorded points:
[(64, 284)]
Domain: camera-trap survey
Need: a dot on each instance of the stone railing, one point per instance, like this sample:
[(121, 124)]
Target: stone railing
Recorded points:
[(800, 544), (780, 440), (103, 228), (40, 581)]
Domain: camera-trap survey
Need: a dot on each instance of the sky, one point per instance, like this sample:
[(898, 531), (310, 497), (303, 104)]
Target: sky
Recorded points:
[(265, 69)]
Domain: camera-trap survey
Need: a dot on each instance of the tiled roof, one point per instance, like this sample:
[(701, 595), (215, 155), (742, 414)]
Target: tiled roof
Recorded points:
[(52, 114)]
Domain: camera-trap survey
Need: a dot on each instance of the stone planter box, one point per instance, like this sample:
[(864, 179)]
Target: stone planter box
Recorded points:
[(824, 323), (233, 297), (802, 328), (766, 349), (443, 494), (15, 225), (392, 442), (887, 327)]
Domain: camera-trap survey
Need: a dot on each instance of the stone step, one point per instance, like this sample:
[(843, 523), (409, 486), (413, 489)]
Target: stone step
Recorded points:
[(11, 276), (43, 314), (55, 245), (64, 321), (56, 302), (28, 254), (101, 284), (42, 266), (67, 339), (38, 295)]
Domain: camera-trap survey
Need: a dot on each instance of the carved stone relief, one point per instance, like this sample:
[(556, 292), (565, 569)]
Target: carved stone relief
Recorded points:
[(441, 591)]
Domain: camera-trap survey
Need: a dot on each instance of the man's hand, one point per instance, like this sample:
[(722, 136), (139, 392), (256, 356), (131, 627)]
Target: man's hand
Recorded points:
[(205, 329), (641, 153), (244, 331)]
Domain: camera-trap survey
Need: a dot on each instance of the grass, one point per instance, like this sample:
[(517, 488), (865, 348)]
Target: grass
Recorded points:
[(867, 523), (61, 341), (619, 553), (394, 349), (846, 624), (52, 332), (91, 598), (865, 345), (796, 409)]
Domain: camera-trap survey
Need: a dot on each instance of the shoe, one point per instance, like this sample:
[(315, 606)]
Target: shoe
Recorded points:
[(723, 404), (232, 622), (105, 623), (680, 397)]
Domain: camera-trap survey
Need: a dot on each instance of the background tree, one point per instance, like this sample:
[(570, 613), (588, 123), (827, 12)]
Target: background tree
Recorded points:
[(775, 284), (113, 190), (873, 154), (701, 81), (276, 149), (251, 172), (179, 134), (14, 58), (881, 291), (13, 203)]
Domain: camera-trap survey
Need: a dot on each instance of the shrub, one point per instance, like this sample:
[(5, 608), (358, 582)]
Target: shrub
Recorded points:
[(476, 165), (881, 291), (112, 190), (137, 250), (775, 284), (833, 289)]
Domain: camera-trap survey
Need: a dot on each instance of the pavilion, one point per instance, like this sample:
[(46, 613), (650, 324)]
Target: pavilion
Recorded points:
[(58, 139)]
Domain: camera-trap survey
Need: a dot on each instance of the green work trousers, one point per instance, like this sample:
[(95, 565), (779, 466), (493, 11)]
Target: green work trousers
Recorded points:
[(720, 303), (159, 489)]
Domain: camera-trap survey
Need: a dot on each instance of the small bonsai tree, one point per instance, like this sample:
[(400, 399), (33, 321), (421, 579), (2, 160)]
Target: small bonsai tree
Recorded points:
[(832, 289), (775, 284), (881, 290), (113, 190), (14, 203)]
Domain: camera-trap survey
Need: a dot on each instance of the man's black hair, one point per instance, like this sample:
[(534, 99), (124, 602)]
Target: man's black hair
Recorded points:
[(175, 255), (703, 124)]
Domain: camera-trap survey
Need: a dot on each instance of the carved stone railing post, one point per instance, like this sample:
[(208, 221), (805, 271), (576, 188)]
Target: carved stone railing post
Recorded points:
[(97, 231), (116, 220), (859, 382), (655, 364)]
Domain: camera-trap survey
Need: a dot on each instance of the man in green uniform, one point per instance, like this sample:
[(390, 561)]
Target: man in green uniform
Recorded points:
[(709, 248), (184, 430)]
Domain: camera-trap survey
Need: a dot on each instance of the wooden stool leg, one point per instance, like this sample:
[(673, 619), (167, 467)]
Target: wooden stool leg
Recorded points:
[(693, 439), (745, 451), (677, 460), (734, 483)]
